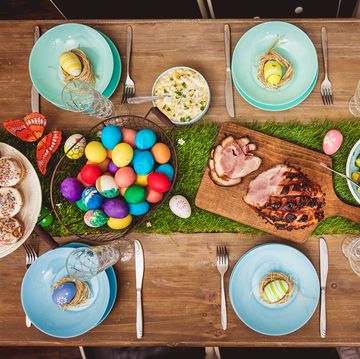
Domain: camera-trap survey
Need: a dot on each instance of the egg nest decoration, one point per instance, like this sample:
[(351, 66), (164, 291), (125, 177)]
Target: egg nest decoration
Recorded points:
[(87, 72), (82, 292), (273, 55), (271, 278)]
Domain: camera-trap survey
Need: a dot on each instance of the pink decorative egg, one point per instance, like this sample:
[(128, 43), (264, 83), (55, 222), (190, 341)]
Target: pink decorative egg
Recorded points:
[(332, 141), (128, 136)]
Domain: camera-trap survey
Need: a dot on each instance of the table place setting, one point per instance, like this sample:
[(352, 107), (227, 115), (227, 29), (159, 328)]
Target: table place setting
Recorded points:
[(170, 172)]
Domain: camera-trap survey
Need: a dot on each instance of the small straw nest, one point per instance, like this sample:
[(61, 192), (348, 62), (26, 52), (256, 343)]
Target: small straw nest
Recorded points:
[(273, 55), (82, 292), (87, 73), (272, 276)]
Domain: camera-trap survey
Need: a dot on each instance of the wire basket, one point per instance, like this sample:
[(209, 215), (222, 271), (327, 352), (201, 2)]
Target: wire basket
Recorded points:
[(70, 168)]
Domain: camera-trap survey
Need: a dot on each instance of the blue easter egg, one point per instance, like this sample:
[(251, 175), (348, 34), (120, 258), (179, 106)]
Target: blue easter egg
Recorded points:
[(111, 136), (64, 293), (135, 154), (91, 198), (144, 163), (138, 209), (167, 170), (145, 139)]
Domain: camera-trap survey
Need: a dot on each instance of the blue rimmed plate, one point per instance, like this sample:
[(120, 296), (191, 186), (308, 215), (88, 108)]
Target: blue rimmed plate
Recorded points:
[(112, 282), (351, 167), (44, 65), (274, 319), (292, 43), (36, 298)]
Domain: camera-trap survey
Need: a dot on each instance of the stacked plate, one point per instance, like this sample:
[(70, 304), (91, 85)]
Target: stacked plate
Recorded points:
[(290, 42), (36, 296), (44, 66)]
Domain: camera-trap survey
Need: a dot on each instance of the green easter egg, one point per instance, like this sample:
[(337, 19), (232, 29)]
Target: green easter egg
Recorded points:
[(272, 72), (81, 205), (135, 194), (47, 217)]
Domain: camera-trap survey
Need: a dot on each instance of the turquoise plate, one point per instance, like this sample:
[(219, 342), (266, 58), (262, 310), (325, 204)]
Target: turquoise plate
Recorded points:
[(280, 107), (48, 317), (274, 319), (112, 282), (44, 67), (115, 79), (350, 168), (292, 43)]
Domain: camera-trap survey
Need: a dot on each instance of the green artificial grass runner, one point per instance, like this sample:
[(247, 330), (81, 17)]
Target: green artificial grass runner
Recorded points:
[(193, 156)]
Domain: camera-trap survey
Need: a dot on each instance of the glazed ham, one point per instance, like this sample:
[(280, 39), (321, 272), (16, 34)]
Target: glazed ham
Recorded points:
[(232, 160), (286, 198)]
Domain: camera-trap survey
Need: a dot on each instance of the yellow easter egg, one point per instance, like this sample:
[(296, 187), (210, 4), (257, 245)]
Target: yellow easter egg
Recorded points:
[(272, 72), (95, 152), (74, 146), (122, 154), (70, 63), (119, 223), (142, 180)]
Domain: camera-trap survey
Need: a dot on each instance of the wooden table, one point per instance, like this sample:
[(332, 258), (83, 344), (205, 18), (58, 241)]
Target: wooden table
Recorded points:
[(181, 283)]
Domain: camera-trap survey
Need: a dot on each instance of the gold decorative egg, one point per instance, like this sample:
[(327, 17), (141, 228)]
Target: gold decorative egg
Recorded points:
[(70, 63)]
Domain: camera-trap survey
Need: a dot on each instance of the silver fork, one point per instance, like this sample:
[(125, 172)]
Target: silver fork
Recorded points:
[(30, 257), (222, 263), (129, 88), (326, 86)]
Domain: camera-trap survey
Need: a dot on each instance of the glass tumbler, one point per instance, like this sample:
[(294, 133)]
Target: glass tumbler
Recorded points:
[(80, 96), (354, 103), (351, 250), (86, 262)]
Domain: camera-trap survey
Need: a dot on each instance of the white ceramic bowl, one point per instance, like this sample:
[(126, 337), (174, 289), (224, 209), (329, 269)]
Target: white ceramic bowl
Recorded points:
[(200, 115), (350, 168)]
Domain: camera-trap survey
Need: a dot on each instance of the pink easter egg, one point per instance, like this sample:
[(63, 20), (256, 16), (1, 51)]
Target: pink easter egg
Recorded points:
[(332, 141), (128, 136)]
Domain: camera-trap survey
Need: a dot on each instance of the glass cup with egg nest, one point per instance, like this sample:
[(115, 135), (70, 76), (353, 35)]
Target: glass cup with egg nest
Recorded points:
[(186, 95)]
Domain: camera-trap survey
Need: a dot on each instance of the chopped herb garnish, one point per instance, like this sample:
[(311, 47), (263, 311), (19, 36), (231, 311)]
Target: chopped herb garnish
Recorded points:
[(202, 108), (184, 85)]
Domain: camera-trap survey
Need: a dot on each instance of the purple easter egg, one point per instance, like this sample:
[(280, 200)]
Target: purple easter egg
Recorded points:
[(116, 208), (71, 189), (112, 168)]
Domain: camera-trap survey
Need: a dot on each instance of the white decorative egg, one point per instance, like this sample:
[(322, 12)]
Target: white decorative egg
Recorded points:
[(106, 186), (276, 290), (70, 63), (78, 141), (332, 141), (180, 206)]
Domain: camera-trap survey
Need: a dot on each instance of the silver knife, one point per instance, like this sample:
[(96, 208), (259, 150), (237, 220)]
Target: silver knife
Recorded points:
[(229, 97), (139, 273), (324, 266), (35, 97)]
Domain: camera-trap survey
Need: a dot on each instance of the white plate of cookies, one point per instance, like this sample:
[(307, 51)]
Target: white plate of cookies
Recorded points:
[(20, 199)]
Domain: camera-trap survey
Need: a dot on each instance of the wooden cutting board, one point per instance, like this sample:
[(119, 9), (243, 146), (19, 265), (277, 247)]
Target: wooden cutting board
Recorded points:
[(228, 201)]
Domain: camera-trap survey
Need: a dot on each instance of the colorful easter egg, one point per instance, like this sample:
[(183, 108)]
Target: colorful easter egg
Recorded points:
[(95, 218), (161, 152), (46, 217), (81, 205), (107, 187), (90, 173), (122, 154), (112, 168), (272, 72), (135, 194), (145, 139), (79, 178), (180, 206), (116, 208), (135, 154), (143, 163), (71, 189), (128, 136), (153, 196), (64, 293), (111, 136), (159, 182), (141, 180), (167, 170), (119, 223), (70, 63), (74, 146), (275, 290), (91, 198), (332, 141), (95, 152), (139, 209), (125, 177)]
